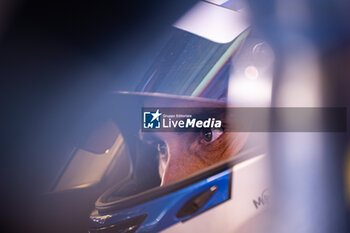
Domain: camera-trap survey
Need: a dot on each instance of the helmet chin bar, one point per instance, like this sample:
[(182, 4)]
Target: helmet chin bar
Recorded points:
[(238, 188), (250, 194)]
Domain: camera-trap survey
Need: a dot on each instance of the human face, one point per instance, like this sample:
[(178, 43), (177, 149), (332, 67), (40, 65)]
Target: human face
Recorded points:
[(181, 154)]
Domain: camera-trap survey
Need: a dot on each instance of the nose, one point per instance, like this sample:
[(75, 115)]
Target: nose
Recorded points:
[(170, 167), (182, 159), (176, 167)]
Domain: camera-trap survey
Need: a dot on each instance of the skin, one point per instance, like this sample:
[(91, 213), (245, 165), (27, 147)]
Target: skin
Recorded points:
[(182, 154)]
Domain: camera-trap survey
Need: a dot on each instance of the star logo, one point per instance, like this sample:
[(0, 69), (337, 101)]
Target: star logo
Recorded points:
[(151, 119), (156, 115)]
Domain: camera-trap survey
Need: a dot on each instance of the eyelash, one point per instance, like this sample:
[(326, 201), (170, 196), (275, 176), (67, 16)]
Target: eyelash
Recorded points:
[(213, 134), (161, 153)]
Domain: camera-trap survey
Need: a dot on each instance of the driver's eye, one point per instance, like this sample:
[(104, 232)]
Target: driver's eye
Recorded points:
[(162, 148), (162, 157), (210, 135)]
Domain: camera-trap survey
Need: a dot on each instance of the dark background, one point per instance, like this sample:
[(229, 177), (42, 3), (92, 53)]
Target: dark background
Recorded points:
[(57, 60)]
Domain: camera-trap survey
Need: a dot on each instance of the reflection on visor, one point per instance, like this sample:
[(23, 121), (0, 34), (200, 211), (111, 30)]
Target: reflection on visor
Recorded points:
[(101, 153), (101, 139)]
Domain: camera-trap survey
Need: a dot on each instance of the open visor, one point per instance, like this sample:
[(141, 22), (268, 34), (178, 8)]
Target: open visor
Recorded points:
[(180, 172)]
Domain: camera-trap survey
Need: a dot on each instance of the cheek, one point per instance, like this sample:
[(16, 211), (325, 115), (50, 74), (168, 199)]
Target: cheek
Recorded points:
[(187, 158), (181, 166), (223, 148)]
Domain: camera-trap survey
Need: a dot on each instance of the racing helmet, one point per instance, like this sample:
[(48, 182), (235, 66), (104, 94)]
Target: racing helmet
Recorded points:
[(173, 179)]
